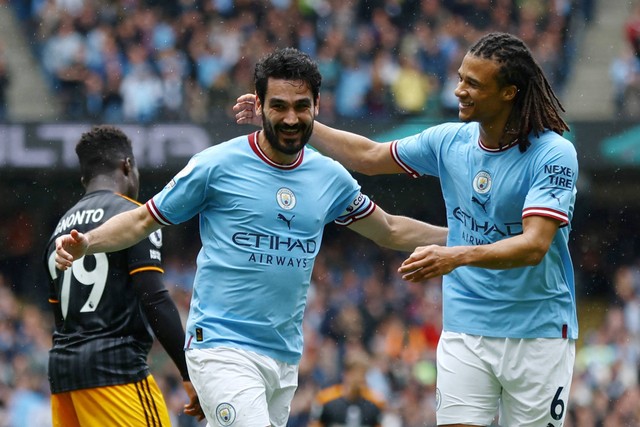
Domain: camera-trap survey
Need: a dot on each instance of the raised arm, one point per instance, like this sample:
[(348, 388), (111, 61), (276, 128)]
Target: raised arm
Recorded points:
[(354, 151), (399, 232), (119, 232)]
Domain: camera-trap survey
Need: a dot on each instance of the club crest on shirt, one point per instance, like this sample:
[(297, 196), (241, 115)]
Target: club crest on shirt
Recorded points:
[(285, 198), (482, 182), (226, 414)]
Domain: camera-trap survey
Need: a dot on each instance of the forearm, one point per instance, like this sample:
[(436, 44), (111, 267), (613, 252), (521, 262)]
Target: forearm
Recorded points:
[(406, 234), (399, 232), (166, 324), (513, 252), (121, 231), (163, 316), (524, 250)]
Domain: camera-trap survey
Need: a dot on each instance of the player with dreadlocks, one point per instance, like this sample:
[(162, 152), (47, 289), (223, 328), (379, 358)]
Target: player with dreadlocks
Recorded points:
[(509, 310), (538, 108)]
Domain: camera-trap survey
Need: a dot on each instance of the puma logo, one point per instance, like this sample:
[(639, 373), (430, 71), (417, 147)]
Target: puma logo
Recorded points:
[(482, 205), (287, 221), (555, 197)]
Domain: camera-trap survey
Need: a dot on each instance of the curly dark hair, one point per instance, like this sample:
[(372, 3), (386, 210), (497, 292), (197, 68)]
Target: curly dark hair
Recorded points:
[(287, 64), (536, 108), (101, 150)]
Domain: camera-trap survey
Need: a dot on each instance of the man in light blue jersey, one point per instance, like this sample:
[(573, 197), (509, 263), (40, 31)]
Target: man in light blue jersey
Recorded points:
[(509, 182), (263, 200)]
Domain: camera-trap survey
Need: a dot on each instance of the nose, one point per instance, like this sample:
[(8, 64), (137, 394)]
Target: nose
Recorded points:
[(459, 91), (290, 117)]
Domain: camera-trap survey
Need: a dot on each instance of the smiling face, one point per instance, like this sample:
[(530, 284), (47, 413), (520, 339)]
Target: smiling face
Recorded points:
[(287, 118), (482, 98)]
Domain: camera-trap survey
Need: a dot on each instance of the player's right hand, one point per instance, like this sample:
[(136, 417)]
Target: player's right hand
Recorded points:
[(245, 110), (70, 247), (192, 408)]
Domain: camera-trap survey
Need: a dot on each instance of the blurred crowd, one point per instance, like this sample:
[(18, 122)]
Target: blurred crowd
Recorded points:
[(624, 71), (141, 61), (145, 60)]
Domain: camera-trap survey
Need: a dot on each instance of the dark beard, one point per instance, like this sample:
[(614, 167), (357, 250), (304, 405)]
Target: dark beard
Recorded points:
[(271, 135)]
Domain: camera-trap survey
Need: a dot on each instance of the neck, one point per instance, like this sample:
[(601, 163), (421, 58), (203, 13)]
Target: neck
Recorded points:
[(496, 137), (103, 182)]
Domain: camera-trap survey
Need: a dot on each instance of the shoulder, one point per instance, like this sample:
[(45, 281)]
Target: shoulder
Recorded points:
[(373, 397), (451, 131), (125, 201), (108, 201), (324, 163), (552, 143), (329, 394), (224, 153), (233, 146)]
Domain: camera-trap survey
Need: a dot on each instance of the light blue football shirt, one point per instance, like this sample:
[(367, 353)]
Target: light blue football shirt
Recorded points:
[(487, 193), (261, 225)]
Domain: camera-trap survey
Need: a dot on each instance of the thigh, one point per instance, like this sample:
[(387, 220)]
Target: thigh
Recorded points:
[(137, 404), (230, 386), (536, 383), (281, 397), (467, 390), (63, 413)]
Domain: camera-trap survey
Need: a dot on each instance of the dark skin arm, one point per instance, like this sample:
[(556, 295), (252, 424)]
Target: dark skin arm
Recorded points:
[(526, 249), (162, 314)]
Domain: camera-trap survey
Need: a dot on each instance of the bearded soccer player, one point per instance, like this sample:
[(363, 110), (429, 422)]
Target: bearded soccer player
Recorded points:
[(263, 200)]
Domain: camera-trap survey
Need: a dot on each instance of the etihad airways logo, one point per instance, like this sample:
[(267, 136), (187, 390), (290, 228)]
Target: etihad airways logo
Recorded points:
[(274, 242), (485, 228), (288, 252)]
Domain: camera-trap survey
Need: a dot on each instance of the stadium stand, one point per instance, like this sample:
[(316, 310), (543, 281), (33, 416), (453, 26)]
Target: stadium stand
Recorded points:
[(185, 58)]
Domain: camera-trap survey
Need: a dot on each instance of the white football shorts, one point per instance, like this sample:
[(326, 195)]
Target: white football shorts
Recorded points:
[(241, 388), (525, 381)]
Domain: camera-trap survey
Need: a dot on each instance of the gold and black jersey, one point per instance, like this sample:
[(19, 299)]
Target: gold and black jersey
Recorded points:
[(332, 408), (101, 335)]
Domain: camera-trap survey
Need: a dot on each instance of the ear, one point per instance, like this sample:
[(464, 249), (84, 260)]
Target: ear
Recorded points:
[(509, 92), (127, 166), (257, 106), (316, 107)]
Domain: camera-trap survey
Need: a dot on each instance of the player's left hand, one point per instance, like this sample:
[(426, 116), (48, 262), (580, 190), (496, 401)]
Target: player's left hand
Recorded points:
[(192, 408), (427, 262)]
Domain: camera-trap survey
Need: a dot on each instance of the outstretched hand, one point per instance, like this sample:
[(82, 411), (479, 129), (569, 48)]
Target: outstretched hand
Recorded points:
[(192, 408), (69, 248), (427, 262), (245, 110)]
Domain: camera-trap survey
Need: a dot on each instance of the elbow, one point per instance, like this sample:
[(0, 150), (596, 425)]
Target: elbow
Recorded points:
[(362, 166), (535, 256), (368, 170)]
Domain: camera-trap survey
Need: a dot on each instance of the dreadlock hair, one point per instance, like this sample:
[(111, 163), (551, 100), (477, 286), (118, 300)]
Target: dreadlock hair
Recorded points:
[(101, 151), (536, 108)]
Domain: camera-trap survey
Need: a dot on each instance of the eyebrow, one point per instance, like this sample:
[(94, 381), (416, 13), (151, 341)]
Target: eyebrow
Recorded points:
[(299, 102)]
